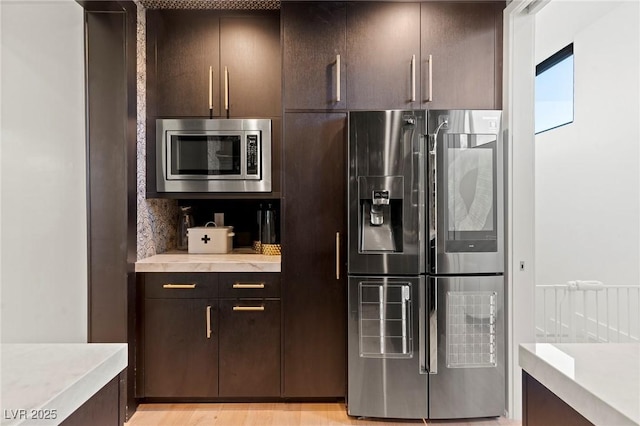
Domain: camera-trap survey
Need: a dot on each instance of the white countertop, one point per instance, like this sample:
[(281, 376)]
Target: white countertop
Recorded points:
[(55, 376), (239, 260), (600, 381)]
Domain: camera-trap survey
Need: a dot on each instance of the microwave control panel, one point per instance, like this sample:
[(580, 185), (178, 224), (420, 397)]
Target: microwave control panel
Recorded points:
[(252, 155)]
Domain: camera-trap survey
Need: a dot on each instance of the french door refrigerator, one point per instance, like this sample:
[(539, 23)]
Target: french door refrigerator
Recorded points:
[(425, 264)]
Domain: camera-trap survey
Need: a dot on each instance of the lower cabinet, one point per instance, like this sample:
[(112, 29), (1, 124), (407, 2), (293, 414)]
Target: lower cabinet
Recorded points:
[(249, 354), (541, 407), (181, 355), (105, 407), (195, 344)]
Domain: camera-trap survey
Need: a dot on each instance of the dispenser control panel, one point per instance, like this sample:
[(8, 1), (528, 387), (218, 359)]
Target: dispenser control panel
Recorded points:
[(380, 196)]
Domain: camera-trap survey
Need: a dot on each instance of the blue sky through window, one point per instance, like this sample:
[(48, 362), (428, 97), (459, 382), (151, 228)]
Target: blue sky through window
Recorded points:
[(554, 95)]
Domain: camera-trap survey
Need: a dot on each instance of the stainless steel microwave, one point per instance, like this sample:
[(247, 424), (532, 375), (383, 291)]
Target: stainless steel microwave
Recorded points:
[(213, 155)]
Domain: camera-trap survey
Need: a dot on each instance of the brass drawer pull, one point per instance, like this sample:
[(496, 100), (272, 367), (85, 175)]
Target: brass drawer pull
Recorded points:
[(247, 285), (248, 308), (179, 286)]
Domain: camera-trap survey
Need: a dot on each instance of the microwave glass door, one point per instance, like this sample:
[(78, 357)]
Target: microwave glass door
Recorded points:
[(205, 156), (470, 191)]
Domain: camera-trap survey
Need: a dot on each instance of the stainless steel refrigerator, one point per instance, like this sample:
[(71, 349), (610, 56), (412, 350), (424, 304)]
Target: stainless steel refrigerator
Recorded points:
[(425, 264)]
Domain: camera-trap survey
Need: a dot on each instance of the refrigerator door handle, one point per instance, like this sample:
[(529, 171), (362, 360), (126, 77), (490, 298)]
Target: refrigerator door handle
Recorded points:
[(422, 327), (433, 325)]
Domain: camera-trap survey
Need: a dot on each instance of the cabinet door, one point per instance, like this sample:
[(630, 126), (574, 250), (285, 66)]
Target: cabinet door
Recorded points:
[(382, 39), (250, 51), (314, 34), (465, 42), (249, 348), (314, 292), (180, 356), (186, 45)]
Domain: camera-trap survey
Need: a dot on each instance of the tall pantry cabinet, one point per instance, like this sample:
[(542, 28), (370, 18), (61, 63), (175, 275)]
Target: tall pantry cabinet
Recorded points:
[(314, 210)]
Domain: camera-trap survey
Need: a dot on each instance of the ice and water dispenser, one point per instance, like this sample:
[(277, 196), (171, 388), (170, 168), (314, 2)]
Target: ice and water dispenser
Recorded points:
[(385, 197), (381, 213)]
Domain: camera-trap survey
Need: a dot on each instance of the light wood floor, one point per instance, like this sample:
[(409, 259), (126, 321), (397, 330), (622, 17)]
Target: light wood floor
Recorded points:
[(273, 414)]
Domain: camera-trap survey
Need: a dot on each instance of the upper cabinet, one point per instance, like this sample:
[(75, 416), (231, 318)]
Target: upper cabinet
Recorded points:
[(384, 55), (218, 63), (182, 48), (464, 42), (250, 65), (383, 47), (314, 46)]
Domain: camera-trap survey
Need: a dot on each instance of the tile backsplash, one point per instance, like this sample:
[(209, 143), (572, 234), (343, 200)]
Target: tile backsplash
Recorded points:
[(157, 218)]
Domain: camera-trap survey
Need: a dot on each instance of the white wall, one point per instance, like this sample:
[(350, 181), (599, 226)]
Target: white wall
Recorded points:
[(587, 172), (43, 229)]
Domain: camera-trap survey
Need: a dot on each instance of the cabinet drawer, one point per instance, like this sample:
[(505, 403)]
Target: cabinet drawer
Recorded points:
[(250, 284), (180, 285)]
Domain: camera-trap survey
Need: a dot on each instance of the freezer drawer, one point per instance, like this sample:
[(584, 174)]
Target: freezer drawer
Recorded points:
[(469, 351), (385, 352)]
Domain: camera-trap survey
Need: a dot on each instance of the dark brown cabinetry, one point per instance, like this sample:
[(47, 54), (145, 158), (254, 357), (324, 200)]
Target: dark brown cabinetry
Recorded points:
[(465, 43), (541, 407), (314, 293), (393, 55), (229, 59), (180, 335), (184, 45), (110, 66), (383, 45), (180, 354), (249, 348), (250, 341), (314, 35), (209, 335), (250, 55), (181, 47), (105, 407)]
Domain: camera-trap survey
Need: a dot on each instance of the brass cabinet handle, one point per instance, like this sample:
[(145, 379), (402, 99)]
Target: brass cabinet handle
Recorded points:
[(337, 78), (210, 91), (430, 98), (337, 255), (209, 322), (413, 78), (248, 285), (226, 89), (179, 286), (248, 308)]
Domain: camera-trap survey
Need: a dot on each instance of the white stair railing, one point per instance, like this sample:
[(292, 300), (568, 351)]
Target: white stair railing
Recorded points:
[(587, 311)]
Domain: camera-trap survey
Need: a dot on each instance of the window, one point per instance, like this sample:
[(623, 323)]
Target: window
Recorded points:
[(554, 91)]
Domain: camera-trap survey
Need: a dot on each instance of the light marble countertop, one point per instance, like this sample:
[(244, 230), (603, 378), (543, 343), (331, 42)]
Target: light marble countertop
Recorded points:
[(600, 381), (239, 260), (54, 376)]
